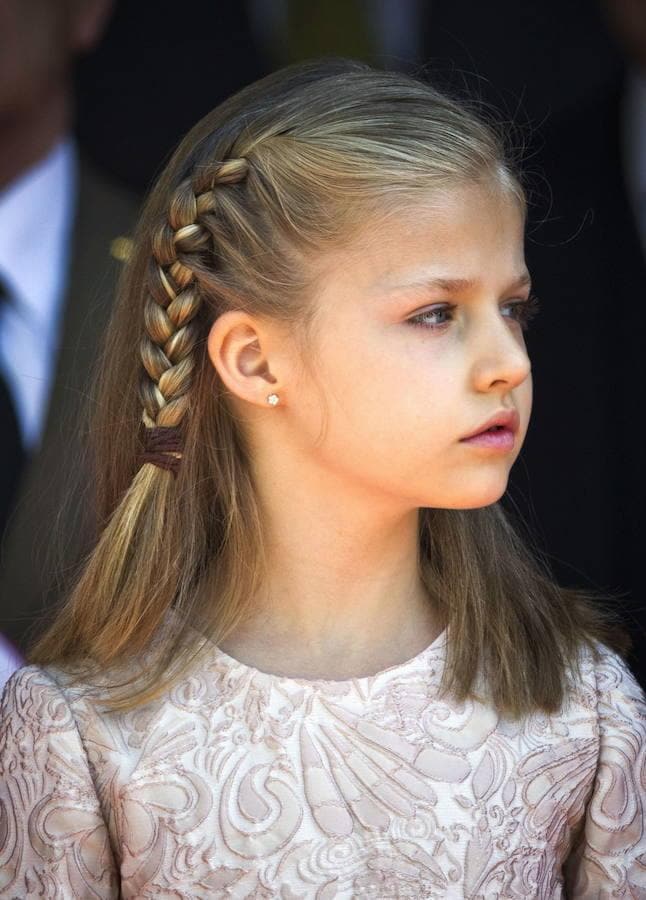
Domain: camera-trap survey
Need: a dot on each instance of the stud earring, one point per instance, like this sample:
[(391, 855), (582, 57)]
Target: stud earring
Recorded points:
[(273, 399)]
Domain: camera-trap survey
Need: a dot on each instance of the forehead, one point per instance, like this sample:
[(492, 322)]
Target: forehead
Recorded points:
[(464, 231), (452, 220)]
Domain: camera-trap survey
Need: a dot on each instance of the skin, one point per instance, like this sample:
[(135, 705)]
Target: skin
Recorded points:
[(38, 42), (341, 503)]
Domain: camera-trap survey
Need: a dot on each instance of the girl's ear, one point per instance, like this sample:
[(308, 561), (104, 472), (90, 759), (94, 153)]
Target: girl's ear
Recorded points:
[(239, 350)]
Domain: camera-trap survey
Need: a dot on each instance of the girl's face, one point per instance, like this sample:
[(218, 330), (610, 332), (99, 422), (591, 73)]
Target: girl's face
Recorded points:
[(408, 367)]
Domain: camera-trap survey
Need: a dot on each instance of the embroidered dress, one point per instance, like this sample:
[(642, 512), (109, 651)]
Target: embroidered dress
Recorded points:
[(239, 783)]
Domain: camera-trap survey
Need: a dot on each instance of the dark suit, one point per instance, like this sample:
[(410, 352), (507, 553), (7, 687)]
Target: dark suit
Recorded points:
[(28, 566), (582, 465)]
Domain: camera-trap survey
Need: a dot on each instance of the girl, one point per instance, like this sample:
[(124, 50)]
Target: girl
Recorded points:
[(309, 654)]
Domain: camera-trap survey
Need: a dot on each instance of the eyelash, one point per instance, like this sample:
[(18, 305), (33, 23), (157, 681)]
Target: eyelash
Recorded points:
[(525, 311)]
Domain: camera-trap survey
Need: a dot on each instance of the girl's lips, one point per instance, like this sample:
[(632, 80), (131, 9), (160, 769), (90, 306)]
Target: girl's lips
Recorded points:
[(501, 439), (507, 418)]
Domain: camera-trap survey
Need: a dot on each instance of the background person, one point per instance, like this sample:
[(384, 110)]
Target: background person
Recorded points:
[(59, 218)]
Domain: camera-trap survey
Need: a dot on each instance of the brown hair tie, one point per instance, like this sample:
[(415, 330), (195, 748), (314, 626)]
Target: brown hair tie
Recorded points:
[(160, 442)]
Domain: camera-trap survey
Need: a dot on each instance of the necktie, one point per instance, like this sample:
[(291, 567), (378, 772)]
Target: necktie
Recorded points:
[(12, 452)]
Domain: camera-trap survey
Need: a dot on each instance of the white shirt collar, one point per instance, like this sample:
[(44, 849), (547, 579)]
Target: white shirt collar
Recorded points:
[(36, 213)]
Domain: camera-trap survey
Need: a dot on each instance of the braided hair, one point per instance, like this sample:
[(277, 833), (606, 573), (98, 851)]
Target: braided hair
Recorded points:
[(169, 314)]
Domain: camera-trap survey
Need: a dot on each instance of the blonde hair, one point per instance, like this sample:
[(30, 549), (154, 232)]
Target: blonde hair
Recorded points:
[(281, 171)]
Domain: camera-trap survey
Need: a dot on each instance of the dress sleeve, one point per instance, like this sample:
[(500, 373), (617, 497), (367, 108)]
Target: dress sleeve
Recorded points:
[(608, 859), (53, 838)]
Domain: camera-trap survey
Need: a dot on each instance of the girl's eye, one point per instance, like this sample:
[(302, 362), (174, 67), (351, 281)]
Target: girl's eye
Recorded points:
[(523, 311)]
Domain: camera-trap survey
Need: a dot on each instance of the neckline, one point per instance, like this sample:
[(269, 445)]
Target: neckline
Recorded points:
[(358, 681)]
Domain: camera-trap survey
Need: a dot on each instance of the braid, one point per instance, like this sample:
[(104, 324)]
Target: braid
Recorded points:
[(173, 302)]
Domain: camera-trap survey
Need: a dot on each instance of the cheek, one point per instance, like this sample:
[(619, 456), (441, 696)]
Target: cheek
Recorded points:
[(388, 390), (388, 402)]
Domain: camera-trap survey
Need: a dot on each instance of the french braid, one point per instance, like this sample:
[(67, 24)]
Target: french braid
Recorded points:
[(173, 301)]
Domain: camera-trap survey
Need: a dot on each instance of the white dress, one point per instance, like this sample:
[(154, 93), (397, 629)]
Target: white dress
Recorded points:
[(239, 783)]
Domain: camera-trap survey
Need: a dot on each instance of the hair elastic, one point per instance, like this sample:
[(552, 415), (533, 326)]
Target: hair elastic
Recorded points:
[(160, 443)]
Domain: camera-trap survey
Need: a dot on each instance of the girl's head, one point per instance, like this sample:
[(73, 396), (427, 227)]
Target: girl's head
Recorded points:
[(294, 245), (397, 370)]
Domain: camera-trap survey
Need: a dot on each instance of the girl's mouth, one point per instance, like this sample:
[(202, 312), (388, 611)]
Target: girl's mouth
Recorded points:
[(496, 438)]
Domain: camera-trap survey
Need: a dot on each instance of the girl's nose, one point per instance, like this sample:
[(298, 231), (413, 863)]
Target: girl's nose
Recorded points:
[(500, 354)]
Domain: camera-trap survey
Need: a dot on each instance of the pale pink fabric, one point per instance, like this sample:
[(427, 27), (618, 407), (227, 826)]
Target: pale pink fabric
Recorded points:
[(242, 784)]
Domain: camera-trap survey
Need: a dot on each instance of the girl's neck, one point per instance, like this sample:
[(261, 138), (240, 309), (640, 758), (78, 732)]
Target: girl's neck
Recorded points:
[(338, 657)]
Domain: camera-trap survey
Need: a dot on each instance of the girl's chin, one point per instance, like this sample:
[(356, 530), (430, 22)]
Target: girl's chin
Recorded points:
[(475, 499)]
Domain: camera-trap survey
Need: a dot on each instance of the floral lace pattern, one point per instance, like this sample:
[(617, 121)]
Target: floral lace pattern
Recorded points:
[(239, 783)]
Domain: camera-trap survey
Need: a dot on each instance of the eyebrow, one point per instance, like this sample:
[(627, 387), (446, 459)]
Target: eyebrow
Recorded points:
[(449, 284)]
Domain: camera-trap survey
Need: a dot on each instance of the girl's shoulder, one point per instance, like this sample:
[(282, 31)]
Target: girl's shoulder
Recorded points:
[(32, 689), (32, 694), (37, 701), (614, 677), (620, 700), (49, 700)]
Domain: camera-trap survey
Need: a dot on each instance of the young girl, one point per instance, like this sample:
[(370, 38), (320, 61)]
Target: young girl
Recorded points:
[(309, 654)]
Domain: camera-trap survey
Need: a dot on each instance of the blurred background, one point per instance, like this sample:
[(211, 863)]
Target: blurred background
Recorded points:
[(94, 96)]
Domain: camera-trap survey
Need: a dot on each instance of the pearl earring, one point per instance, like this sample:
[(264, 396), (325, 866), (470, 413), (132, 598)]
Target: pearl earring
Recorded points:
[(273, 399)]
